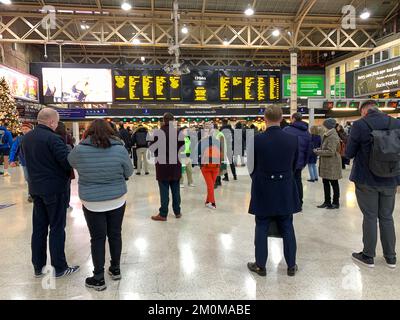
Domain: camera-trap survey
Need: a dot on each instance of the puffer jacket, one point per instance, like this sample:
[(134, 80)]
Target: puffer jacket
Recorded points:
[(330, 161), (102, 172), (300, 130)]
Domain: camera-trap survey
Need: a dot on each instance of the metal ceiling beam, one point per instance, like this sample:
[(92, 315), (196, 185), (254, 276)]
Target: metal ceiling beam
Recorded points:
[(98, 3)]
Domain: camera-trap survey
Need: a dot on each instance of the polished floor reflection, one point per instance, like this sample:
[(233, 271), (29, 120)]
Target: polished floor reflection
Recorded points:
[(204, 254)]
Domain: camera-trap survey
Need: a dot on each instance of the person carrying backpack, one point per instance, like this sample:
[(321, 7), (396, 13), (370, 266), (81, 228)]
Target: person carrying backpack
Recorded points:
[(374, 143)]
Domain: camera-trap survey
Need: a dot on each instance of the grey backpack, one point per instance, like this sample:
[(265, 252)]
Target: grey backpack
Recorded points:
[(384, 159)]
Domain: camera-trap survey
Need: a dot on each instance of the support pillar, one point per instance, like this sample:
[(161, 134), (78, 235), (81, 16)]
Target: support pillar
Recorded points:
[(75, 131), (293, 79)]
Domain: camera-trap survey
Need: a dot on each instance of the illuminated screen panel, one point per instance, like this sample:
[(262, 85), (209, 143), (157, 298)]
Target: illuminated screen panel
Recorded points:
[(174, 88), (148, 87), (274, 87), (262, 88), (341, 104), (250, 88), (237, 88), (135, 87), (161, 87), (120, 87), (354, 104), (225, 89), (84, 85)]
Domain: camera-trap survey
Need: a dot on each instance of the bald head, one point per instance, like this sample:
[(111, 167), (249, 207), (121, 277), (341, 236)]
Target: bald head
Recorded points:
[(48, 117)]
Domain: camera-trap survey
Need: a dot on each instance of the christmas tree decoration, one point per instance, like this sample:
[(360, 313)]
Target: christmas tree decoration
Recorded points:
[(8, 108)]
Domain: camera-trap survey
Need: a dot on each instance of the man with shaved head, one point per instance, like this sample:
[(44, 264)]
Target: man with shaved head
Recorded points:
[(49, 173)]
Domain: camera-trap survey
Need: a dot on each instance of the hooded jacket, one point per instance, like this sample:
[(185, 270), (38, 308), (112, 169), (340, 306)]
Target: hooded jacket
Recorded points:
[(300, 129)]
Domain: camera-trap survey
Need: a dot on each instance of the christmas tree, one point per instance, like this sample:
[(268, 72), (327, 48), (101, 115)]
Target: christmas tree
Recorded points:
[(8, 108)]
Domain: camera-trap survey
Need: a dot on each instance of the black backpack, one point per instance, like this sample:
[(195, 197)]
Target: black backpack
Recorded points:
[(384, 158)]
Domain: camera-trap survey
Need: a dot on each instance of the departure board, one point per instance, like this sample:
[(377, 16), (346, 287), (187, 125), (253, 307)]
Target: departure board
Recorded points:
[(120, 87), (174, 88), (274, 87), (237, 88), (161, 87), (250, 88), (199, 86), (148, 87), (135, 87), (225, 90)]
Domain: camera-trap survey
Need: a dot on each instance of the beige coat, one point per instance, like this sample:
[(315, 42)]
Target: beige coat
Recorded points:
[(330, 161)]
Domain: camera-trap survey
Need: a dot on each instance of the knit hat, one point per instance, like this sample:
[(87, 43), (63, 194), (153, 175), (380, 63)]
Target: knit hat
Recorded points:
[(329, 123), (27, 124)]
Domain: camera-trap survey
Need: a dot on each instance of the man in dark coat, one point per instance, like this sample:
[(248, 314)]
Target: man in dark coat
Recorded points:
[(274, 195), (125, 136), (168, 166), (299, 129), (140, 144), (376, 196), (49, 173)]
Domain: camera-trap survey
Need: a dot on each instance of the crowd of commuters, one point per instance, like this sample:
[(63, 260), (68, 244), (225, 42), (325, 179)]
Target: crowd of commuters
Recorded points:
[(275, 159)]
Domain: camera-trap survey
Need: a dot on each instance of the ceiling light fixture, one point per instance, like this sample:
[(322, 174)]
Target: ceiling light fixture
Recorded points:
[(7, 2), (365, 14), (276, 33), (249, 11), (185, 29), (225, 42), (143, 59), (126, 6), (136, 41)]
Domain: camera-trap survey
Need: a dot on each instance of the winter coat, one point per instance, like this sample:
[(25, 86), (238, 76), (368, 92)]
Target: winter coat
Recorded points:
[(330, 161), (315, 144), (102, 171), (139, 138), (300, 129), (359, 148)]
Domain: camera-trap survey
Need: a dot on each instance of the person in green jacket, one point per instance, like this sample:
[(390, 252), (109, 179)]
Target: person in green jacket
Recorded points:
[(187, 161)]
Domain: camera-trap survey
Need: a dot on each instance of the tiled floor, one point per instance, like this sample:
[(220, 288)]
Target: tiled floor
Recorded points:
[(204, 254)]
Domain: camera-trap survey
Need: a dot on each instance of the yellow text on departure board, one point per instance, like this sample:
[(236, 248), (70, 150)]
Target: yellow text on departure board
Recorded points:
[(174, 82), (261, 89), (147, 82), (248, 84), (237, 81), (224, 83), (160, 87), (274, 87), (134, 87), (120, 81), (200, 94)]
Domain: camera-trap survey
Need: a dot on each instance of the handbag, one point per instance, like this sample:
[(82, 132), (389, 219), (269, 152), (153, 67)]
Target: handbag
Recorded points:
[(273, 230)]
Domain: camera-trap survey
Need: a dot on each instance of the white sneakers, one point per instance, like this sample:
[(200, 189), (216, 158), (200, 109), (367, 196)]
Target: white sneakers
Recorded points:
[(209, 205), (6, 174)]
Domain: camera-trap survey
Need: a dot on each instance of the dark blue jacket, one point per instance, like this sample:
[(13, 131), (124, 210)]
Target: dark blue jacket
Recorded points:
[(16, 152), (315, 144), (6, 139), (46, 160), (300, 129), (273, 189), (359, 148)]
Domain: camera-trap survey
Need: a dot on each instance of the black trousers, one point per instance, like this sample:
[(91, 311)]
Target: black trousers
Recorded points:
[(233, 168), (101, 225), (327, 191), (49, 212), (286, 229), (299, 183), (134, 156)]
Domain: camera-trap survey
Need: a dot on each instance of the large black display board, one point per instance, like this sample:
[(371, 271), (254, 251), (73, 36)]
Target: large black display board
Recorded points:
[(199, 86), (377, 79)]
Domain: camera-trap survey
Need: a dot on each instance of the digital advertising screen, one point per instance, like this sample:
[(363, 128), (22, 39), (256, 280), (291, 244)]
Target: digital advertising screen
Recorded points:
[(308, 85), (22, 86), (375, 80), (81, 85)]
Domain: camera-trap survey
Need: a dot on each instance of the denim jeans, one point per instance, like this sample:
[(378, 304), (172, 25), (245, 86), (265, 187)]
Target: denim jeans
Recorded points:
[(164, 187), (312, 169)]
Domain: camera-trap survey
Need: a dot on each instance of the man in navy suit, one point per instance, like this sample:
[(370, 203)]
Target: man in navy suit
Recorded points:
[(274, 194)]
